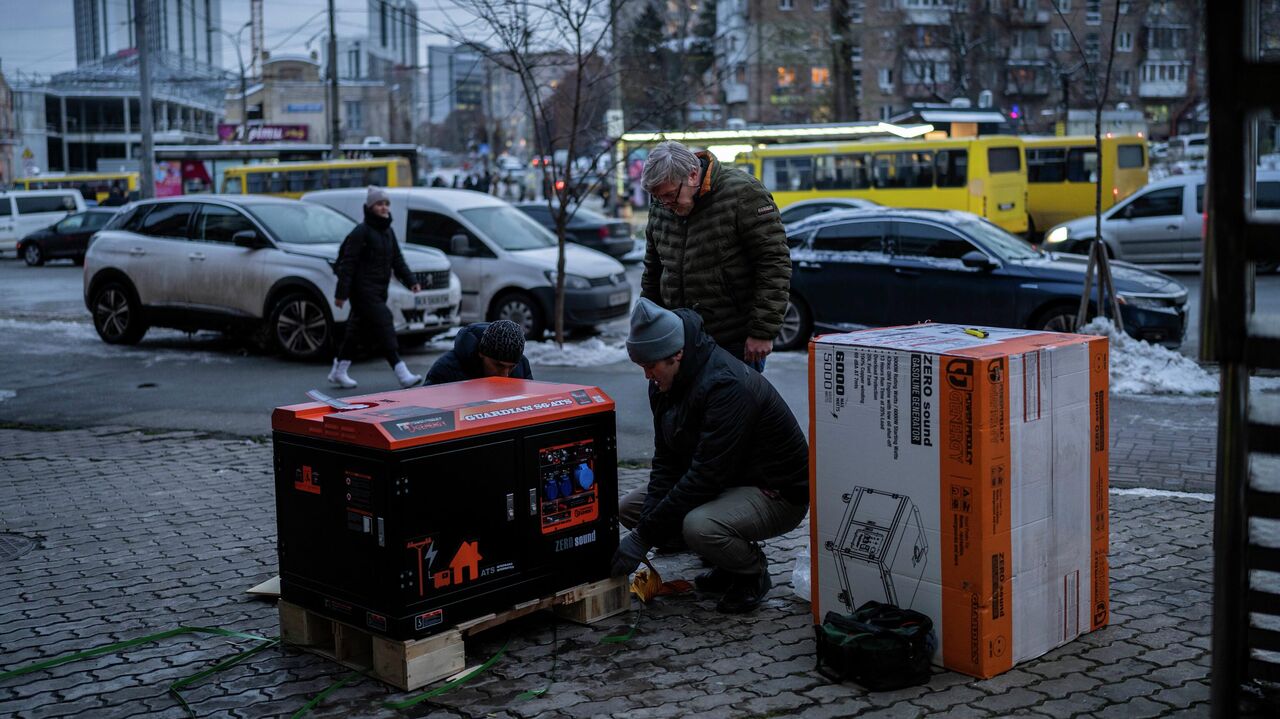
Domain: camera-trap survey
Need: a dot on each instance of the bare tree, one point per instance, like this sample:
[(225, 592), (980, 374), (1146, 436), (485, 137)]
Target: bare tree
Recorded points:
[(1098, 260), (560, 53)]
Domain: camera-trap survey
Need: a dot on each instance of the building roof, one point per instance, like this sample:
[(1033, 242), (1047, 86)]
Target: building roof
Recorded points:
[(172, 78)]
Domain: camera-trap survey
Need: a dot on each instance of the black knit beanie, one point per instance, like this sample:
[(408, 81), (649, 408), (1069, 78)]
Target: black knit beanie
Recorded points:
[(502, 341)]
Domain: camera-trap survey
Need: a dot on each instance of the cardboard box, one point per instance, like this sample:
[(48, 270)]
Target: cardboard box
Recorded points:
[(965, 478)]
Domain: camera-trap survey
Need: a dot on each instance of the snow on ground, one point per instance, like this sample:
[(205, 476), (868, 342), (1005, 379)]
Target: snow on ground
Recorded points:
[(592, 352), (46, 337), (7, 394), (1141, 368)]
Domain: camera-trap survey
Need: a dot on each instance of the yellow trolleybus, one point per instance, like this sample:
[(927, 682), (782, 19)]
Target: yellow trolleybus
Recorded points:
[(983, 175), (292, 179), (1062, 173), (99, 183)]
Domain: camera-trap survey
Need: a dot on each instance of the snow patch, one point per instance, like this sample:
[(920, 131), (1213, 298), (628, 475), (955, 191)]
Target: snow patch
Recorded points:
[(593, 352), (1141, 368), (7, 394), (1159, 493)]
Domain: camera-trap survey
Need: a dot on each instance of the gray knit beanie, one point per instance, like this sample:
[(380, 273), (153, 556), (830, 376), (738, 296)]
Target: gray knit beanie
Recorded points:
[(656, 333), (502, 341), (376, 195)]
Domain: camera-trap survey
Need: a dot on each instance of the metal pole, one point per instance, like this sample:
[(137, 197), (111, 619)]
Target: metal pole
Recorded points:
[(146, 163), (335, 121)]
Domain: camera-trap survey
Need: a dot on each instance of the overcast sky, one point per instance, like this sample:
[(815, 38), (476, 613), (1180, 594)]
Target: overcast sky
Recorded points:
[(39, 36)]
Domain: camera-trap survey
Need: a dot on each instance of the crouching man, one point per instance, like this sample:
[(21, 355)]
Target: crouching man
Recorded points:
[(483, 349), (730, 465)]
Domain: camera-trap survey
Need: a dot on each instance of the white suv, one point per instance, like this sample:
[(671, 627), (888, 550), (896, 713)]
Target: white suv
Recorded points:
[(221, 263)]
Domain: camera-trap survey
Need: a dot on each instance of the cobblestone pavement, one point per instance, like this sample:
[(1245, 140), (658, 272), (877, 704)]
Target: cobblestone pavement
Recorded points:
[(139, 533)]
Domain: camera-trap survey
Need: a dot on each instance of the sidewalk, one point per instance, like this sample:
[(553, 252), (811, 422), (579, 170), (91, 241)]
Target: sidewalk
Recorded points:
[(141, 533)]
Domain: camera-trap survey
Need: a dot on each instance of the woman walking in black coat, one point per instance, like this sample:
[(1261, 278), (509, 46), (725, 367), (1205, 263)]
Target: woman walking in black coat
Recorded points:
[(369, 255)]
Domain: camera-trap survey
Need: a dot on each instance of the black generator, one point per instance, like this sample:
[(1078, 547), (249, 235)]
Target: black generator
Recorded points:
[(415, 510)]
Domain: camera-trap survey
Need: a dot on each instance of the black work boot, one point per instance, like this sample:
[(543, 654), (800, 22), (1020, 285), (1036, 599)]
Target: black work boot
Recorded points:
[(745, 593), (715, 582)]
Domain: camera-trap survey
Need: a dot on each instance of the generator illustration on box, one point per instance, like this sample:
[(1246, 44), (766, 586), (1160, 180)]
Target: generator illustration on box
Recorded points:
[(881, 531), (415, 510)]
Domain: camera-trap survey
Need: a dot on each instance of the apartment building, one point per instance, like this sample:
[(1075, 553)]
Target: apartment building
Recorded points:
[(1033, 59)]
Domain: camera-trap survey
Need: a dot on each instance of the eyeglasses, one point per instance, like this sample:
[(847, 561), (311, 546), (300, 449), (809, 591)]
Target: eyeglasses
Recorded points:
[(668, 199)]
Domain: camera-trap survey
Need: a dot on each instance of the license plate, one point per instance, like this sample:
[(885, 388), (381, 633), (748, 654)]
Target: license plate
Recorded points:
[(619, 298), (421, 301)]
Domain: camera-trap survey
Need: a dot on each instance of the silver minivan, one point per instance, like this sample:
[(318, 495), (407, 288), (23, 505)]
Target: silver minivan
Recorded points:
[(505, 260), (1161, 224), (25, 211)]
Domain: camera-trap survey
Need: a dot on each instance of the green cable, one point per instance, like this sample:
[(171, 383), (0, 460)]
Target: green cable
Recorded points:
[(451, 685), (321, 696), (174, 687), (624, 638), (112, 648)]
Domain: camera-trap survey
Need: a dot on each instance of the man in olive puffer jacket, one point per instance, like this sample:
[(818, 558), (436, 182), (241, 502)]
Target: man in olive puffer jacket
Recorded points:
[(715, 244)]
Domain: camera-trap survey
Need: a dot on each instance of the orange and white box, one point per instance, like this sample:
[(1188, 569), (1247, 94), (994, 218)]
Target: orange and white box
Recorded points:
[(964, 477)]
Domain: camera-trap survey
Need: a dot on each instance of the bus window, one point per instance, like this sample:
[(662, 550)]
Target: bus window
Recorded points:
[(824, 173), (904, 170), (1129, 156), (376, 176), (852, 173), (1082, 164), (788, 174), (277, 182), (1004, 159), (255, 183), (1048, 164), (952, 168)]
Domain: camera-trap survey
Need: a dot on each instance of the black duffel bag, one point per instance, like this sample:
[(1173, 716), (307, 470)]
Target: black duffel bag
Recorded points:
[(878, 646)]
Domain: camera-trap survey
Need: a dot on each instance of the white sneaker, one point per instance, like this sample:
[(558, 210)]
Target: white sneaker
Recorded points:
[(338, 375), (407, 378)]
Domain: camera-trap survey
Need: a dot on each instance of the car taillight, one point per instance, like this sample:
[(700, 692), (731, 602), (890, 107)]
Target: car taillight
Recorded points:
[(1115, 194), (604, 232), (1204, 225)]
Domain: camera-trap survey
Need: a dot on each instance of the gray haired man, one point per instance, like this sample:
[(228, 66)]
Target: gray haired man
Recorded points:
[(730, 465), (715, 244)]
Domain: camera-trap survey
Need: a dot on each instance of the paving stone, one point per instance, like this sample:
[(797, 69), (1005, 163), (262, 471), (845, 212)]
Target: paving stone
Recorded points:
[(139, 551)]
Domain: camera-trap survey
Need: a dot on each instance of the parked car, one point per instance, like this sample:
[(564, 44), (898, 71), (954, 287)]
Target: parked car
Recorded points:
[(1163, 223), (585, 227), (25, 211), (68, 237), (227, 262), (506, 261), (797, 211), (893, 267)]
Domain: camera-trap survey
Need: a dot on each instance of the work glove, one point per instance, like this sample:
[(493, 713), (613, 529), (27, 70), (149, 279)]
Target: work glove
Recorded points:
[(631, 551)]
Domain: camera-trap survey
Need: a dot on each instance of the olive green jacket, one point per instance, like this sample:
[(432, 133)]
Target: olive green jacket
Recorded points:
[(728, 260)]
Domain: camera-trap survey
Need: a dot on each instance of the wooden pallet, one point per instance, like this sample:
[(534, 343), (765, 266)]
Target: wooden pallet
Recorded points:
[(415, 663)]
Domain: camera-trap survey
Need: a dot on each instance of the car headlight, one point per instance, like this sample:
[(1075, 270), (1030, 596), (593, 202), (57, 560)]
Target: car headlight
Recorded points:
[(571, 282), (1057, 234), (1146, 303)]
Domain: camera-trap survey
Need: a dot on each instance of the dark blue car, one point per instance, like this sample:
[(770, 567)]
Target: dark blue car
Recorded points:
[(884, 266)]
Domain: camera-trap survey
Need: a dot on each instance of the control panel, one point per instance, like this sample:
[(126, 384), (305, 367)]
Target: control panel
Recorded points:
[(567, 491)]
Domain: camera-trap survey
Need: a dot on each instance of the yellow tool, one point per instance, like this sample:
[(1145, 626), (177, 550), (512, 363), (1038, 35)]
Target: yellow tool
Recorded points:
[(980, 334)]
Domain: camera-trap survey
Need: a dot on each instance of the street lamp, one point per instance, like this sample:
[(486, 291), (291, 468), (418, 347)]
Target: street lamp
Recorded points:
[(244, 99)]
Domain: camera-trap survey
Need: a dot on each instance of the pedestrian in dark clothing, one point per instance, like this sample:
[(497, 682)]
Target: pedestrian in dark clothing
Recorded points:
[(483, 349), (730, 464), (715, 243), (366, 261), (438, 181), (115, 197)]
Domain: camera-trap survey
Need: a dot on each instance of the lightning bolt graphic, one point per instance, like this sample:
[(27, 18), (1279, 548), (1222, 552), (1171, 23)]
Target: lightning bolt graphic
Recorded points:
[(431, 556)]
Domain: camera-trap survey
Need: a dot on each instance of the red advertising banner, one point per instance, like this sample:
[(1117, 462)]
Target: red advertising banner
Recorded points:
[(264, 133)]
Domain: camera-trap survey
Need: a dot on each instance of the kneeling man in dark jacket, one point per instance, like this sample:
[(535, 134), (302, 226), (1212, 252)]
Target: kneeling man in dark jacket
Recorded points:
[(730, 465), (483, 349)]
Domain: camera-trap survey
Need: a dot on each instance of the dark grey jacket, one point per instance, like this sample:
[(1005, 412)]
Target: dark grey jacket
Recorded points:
[(366, 260), (720, 425)]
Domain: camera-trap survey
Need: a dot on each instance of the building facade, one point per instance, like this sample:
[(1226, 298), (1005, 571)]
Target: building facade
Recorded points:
[(289, 103), (89, 119), (1034, 59), (186, 30), (8, 136)]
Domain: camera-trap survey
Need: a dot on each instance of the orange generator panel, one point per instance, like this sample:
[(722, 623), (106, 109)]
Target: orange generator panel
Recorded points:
[(410, 511)]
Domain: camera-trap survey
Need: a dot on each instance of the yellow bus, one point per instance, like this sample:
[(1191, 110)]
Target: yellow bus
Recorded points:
[(1062, 173), (292, 179), (99, 183), (982, 175)]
